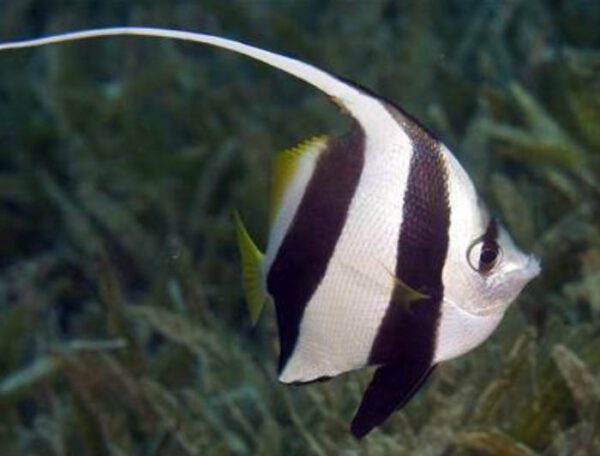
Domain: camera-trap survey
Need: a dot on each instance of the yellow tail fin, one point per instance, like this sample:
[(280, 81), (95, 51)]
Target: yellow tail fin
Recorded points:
[(251, 270)]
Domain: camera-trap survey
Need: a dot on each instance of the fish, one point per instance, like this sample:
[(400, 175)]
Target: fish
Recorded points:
[(380, 251)]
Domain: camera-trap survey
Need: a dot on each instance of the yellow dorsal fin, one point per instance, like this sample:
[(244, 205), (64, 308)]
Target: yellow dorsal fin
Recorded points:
[(251, 270), (285, 167)]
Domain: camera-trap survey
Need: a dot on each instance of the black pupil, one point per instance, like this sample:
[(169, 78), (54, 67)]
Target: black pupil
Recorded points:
[(490, 248), (487, 257)]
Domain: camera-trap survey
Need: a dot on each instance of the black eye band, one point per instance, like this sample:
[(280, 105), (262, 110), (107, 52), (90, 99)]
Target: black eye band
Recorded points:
[(490, 237), (490, 247)]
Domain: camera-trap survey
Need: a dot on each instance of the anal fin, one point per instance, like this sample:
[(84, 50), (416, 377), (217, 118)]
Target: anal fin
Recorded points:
[(392, 386), (252, 259)]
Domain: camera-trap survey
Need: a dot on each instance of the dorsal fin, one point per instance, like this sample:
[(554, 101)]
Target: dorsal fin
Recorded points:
[(353, 99), (286, 165)]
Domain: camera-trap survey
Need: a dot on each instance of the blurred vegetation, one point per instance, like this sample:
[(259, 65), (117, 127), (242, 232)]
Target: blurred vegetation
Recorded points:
[(122, 326)]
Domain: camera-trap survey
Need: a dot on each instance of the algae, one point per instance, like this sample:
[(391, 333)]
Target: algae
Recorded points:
[(122, 323)]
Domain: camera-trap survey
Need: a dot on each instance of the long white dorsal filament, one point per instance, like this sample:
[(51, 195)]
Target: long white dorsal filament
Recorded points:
[(355, 101)]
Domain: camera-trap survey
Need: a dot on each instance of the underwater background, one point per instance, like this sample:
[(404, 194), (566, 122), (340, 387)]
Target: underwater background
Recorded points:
[(123, 329)]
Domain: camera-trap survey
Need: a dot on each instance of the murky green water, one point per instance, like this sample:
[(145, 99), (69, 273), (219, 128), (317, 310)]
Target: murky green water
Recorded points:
[(123, 328)]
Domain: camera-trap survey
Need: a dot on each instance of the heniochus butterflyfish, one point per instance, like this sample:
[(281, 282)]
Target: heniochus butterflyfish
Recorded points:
[(380, 251)]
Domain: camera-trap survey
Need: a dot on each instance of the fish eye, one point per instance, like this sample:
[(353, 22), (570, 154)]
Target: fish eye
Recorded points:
[(483, 256), (488, 257), (484, 253)]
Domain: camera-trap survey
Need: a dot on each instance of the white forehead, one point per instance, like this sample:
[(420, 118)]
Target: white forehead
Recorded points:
[(468, 217)]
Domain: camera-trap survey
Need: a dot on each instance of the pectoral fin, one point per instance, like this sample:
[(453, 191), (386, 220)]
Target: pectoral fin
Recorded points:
[(392, 387), (406, 296), (252, 259)]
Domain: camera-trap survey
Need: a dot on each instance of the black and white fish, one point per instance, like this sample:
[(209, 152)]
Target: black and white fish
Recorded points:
[(380, 251)]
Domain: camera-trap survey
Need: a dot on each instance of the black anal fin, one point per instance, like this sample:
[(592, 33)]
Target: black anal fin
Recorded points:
[(392, 387)]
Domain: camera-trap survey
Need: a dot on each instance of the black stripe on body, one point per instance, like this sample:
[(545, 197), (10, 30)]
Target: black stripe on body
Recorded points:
[(302, 259), (490, 237), (405, 342), (422, 248)]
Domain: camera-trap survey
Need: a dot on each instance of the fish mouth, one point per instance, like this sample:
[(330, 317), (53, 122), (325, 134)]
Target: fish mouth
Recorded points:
[(532, 268), (524, 270), (518, 278)]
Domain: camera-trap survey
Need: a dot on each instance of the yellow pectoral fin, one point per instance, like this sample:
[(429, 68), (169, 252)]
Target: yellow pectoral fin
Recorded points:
[(404, 294), (285, 166), (251, 270)]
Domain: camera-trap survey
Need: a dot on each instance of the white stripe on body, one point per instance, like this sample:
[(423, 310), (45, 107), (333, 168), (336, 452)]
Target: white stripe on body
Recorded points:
[(342, 319)]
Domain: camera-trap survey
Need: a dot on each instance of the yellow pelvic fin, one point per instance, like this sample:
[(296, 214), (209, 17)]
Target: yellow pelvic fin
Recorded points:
[(285, 167), (251, 270)]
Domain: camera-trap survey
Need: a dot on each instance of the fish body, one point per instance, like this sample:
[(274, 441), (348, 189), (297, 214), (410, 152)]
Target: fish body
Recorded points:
[(380, 252), (376, 258)]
